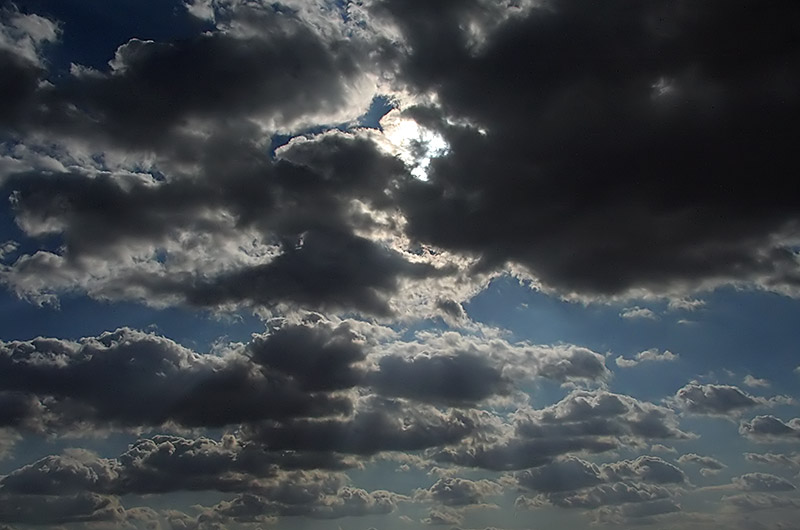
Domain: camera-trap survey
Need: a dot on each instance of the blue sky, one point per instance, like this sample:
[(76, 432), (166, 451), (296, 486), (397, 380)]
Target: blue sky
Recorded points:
[(393, 265)]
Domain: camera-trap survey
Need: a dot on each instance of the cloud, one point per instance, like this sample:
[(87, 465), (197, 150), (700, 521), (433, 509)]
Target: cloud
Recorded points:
[(648, 355), (776, 459), (637, 312), (717, 400), (708, 465), (591, 421), (376, 425), (748, 502), (451, 491), (573, 127), (754, 382), (454, 379), (770, 428), (762, 482), (54, 383)]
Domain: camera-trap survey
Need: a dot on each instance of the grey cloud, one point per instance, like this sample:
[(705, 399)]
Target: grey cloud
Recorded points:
[(770, 428), (164, 464), (52, 510), (377, 425), (708, 465), (459, 491), (154, 379), (612, 494), (776, 459), (644, 469), (454, 379), (343, 502), (591, 421), (285, 72), (762, 482), (719, 400), (601, 413), (304, 218), (564, 475), (631, 512), (443, 516), (749, 502), (319, 357), (576, 123)]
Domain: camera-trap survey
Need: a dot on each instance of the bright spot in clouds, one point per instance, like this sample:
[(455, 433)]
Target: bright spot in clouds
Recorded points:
[(414, 144)]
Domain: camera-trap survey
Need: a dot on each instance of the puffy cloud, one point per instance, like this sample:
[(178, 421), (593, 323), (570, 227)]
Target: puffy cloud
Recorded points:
[(52, 510), (591, 421), (564, 475), (55, 382), (770, 428), (755, 382), (648, 355), (24, 35), (451, 491), (610, 495), (716, 400), (762, 482), (708, 465), (547, 158), (376, 425), (444, 378), (443, 516), (638, 313), (163, 464), (749, 502), (775, 459)]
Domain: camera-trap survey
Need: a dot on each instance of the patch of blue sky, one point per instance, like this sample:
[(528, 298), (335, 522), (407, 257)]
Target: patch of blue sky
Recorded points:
[(92, 30)]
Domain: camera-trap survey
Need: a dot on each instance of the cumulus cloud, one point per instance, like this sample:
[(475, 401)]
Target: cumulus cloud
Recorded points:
[(762, 482), (591, 421), (770, 428), (708, 465), (652, 355), (452, 491), (749, 502), (755, 382), (54, 383), (638, 313), (592, 134), (790, 461), (718, 400)]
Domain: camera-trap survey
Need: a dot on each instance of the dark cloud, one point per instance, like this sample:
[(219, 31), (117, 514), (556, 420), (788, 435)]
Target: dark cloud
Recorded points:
[(297, 222), (454, 379), (319, 358), (281, 71), (52, 510), (618, 142), (377, 425), (155, 380)]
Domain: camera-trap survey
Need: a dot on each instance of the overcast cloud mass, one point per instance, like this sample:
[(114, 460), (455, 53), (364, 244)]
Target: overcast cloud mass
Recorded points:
[(391, 264)]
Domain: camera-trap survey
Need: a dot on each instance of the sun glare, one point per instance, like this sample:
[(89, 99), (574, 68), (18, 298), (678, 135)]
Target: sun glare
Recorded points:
[(414, 144)]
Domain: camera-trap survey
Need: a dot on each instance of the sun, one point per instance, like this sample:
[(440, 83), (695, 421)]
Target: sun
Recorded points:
[(412, 143)]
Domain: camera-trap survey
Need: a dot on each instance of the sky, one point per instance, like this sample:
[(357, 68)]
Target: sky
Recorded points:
[(399, 264)]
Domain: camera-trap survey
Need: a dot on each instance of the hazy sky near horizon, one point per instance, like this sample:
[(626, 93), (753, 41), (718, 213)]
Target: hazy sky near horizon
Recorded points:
[(399, 264)]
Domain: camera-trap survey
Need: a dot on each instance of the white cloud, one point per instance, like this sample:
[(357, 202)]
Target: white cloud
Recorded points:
[(651, 355), (637, 312)]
